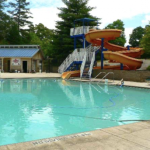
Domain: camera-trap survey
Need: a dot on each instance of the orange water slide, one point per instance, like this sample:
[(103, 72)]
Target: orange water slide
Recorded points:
[(120, 54)]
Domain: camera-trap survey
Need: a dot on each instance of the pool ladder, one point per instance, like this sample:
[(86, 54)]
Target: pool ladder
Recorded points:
[(106, 76), (100, 74)]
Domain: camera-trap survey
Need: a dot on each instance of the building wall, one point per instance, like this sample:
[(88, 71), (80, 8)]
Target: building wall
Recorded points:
[(20, 67), (5, 64), (37, 58), (137, 76)]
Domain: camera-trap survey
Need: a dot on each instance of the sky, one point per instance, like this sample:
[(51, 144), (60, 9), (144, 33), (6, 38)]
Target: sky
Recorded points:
[(133, 13)]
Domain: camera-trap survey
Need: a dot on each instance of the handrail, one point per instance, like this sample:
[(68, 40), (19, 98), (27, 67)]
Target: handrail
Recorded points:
[(91, 65), (90, 56), (99, 74), (120, 82), (83, 65), (106, 76), (74, 56), (77, 56)]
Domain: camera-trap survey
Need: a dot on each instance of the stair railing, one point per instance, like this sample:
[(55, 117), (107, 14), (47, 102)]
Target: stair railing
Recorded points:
[(91, 65), (106, 76), (83, 64), (90, 56), (74, 56)]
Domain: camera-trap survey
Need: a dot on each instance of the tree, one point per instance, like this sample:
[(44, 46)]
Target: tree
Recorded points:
[(46, 36), (74, 9), (118, 24), (145, 42), (5, 22), (43, 32), (2, 5), (35, 39), (136, 36), (13, 37), (20, 13)]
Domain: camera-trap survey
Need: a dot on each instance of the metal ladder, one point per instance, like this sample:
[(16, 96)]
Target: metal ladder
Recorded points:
[(99, 74), (121, 82)]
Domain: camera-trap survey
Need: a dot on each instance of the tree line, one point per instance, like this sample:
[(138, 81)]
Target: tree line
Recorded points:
[(16, 28)]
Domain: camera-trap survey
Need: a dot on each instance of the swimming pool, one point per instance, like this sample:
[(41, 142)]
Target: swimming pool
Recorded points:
[(34, 109)]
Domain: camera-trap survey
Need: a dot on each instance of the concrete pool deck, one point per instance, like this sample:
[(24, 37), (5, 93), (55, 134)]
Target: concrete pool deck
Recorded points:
[(135, 136), (29, 75)]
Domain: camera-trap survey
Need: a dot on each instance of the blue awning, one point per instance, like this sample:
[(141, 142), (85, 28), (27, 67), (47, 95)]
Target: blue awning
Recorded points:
[(18, 52)]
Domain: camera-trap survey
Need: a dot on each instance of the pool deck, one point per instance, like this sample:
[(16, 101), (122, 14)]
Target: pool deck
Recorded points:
[(134, 136), (29, 75), (117, 82)]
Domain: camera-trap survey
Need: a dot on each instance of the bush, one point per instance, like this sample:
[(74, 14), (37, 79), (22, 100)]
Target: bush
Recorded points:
[(148, 68)]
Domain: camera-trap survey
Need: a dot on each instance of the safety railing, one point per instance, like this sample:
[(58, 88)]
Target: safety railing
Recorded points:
[(74, 56), (90, 56), (91, 65), (78, 56), (83, 64), (106, 76)]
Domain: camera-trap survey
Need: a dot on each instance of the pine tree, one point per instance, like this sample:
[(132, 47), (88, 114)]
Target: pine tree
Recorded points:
[(20, 13), (2, 5), (5, 22), (75, 9)]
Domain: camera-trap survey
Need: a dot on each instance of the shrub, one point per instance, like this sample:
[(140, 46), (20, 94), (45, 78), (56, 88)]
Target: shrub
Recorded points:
[(148, 68)]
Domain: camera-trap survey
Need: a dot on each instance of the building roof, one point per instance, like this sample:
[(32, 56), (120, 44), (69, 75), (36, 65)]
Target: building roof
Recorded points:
[(18, 51)]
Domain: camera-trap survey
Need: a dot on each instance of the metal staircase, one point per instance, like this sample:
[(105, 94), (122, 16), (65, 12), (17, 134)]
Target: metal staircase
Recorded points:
[(72, 61), (88, 62), (86, 57)]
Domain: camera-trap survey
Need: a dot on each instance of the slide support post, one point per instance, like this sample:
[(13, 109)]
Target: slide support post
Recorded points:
[(102, 55), (121, 66)]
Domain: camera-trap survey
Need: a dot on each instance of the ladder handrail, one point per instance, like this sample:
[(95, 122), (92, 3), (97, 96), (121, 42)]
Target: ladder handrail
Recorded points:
[(120, 82), (106, 76), (99, 74)]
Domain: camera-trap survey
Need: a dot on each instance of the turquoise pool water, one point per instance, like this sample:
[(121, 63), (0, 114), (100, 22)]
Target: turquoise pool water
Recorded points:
[(32, 109)]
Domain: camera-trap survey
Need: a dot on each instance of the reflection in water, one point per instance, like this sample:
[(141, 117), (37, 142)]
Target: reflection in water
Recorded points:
[(40, 108)]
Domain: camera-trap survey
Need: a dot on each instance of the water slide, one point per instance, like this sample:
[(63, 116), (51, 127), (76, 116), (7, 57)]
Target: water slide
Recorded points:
[(115, 53)]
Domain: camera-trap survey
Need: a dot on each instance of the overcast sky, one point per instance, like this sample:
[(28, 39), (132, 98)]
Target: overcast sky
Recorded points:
[(133, 13)]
